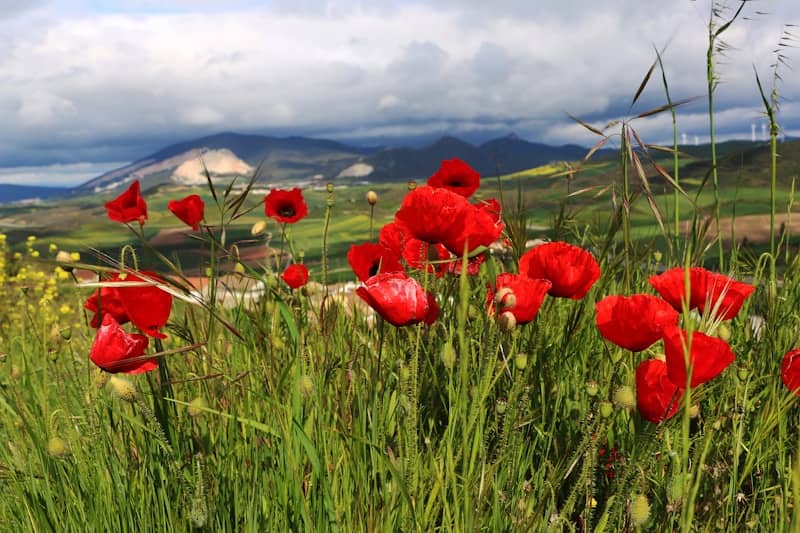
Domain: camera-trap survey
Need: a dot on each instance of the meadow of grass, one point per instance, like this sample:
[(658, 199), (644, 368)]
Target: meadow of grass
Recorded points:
[(306, 412)]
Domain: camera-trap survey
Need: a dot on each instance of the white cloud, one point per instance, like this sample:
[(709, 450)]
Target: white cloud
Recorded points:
[(76, 77)]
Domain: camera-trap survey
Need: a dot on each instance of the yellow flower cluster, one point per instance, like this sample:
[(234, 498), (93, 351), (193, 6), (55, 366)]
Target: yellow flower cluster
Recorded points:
[(31, 292)]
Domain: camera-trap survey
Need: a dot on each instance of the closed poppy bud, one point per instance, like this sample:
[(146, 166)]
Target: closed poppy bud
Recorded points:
[(258, 228), (295, 275), (507, 321), (372, 197), (606, 409), (708, 356), (286, 207), (448, 355), (190, 210), (634, 322), (571, 270), (128, 206)]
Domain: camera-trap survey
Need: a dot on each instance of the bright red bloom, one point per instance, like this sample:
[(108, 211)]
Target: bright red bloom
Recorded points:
[(790, 370), (114, 350), (400, 300), (709, 356), (420, 255), (392, 237), (284, 206), (128, 206), (528, 295), (295, 275), (707, 289), (473, 265), (105, 300), (570, 269), (370, 258), (479, 227), (671, 285), (457, 176), (190, 210), (491, 206), (657, 397), (146, 305), (724, 296), (634, 322), (432, 215)]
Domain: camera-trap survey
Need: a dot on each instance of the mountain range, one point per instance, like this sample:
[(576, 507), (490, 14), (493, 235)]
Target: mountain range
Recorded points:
[(301, 161)]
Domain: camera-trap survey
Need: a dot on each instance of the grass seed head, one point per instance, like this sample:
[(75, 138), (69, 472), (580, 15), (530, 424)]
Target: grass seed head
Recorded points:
[(640, 510), (122, 389)]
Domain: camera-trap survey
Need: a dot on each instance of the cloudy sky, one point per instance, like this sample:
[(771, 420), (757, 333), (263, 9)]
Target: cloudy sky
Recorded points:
[(88, 84)]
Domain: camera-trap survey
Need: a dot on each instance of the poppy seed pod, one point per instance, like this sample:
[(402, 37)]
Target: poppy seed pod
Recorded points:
[(625, 398), (372, 197), (57, 447), (197, 407)]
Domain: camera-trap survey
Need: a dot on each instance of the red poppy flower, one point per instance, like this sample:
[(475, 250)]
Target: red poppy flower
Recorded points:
[(392, 237), (657, 397), (284, 206), (370, 258), (128, 206), (106, 301), (491, 206), (570, 269), (724, 296), (295, 275), (420, 255), (473, 265), (790, 370), (478, 227), (432, 215), (189, 210), (457, 176), (528, 295), (634, 322), (114, 350), (709, 356), (671, 285), (147, 306), (400, 300)]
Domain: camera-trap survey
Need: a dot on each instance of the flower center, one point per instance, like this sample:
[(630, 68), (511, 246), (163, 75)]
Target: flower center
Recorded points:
[(286, 210)]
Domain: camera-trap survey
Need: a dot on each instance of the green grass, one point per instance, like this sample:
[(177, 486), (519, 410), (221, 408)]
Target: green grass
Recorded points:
[(300, 412)]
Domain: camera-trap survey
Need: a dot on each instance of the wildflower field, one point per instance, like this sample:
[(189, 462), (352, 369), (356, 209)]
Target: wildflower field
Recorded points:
[(636, 370)]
